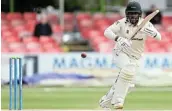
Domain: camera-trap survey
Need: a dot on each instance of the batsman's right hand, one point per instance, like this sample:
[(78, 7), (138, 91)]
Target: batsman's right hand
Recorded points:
[(123, 42)]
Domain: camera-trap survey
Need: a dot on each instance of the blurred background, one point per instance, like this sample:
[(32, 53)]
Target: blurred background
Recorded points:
[(50, 35)]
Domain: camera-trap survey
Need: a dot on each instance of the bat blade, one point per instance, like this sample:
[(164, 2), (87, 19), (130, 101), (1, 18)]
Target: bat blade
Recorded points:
[(148, 18)]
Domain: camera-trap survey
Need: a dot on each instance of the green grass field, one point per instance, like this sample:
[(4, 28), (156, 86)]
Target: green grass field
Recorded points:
[(87, 98)]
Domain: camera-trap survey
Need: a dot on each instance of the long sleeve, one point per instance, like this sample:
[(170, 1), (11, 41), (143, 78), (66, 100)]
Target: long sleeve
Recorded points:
[(151, 31), (111, 31)]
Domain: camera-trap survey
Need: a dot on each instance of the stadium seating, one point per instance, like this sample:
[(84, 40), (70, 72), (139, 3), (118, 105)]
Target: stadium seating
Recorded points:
[(91, 26), (29, 16)]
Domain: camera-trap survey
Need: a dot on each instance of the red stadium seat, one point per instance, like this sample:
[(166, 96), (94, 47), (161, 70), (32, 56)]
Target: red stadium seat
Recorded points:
[(98, 16), (57, 29), (165, 40), (32, 45), (36, 50), (46, 39), (147, 49), (22, 31), (101, 22), (19, 50), (30, 25), (49, 45), (88, 33), (150, 40), (68, 17), (20, 28), (5, 28), (169, 47), (8, 33), (154, 45), (96, 42), (14, 16), (81, 16), (103, 28), (94, 33), (16, 45), (29, 16), (68, 27), (86, 23), (113, 17), (53, 19), (53, 50), (30, 39), (167, 20), (31, 22), (5, 22), (99, 38), (160, 50), (3, 15), (11, 39), (5, 49), (17, 22)]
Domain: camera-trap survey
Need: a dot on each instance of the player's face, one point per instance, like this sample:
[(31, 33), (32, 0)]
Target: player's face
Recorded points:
[(133, 17)]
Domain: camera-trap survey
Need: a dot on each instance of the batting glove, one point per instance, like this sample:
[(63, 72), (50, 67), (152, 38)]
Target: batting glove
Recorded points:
[(123, 42)]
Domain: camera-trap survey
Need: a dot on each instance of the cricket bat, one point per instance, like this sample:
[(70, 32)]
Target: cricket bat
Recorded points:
[(148, 18)]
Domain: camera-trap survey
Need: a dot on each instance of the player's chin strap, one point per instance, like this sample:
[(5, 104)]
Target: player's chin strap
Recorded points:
[(127, 21)]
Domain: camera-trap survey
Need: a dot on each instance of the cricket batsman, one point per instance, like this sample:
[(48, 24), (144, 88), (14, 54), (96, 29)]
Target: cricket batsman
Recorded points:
[(127, 53)]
